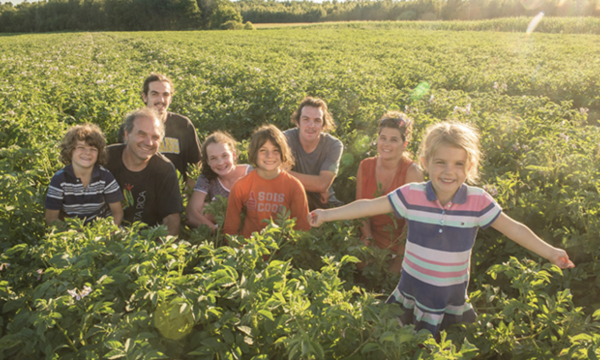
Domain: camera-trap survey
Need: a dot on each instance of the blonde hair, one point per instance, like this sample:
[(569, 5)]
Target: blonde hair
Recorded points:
[(275, 136), (455, 134)]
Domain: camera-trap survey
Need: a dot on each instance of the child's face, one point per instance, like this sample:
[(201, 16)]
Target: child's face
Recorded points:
[(269, 157), (220, 158), (447, 170), (84, 156)]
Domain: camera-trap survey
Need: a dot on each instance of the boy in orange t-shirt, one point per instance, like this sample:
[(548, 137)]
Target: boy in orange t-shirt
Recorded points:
[(268, 189)]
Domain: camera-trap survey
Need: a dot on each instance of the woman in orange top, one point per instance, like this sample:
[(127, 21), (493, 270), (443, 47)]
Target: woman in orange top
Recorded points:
[(379, 175)]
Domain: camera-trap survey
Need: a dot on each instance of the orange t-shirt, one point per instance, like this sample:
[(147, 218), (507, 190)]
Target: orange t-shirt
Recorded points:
[(382, 226), (263, 199)]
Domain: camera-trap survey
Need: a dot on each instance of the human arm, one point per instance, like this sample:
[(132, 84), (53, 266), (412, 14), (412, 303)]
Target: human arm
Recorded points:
[(299, 208), (117, 212), (523, 236), (365, 229), (315, 183), (231, 226), (52, 216), (195, 215), (172, 221), (354, 210)]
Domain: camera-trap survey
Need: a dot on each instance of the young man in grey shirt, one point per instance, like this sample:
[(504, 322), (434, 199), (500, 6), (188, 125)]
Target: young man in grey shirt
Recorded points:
[(317, 154)]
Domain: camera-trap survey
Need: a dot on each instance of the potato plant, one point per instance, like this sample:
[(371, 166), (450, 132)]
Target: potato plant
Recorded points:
[(98, 292)]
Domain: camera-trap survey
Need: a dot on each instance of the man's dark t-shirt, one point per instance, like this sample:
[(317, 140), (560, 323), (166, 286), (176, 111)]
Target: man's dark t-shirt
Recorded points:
[(149, 195), (180, 144)]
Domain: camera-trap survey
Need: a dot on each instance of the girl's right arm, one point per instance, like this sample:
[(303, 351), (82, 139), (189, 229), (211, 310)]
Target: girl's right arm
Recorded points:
[(354, 210), (194, 212)]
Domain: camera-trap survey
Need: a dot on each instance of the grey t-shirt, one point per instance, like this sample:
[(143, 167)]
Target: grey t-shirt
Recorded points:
[(326, 157)]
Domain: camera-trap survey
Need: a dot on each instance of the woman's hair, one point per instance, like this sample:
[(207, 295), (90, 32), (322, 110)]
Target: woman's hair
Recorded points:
[(218, 137), (328, 123), (397, 120), (273, 134), (91, 134), (455, 134)]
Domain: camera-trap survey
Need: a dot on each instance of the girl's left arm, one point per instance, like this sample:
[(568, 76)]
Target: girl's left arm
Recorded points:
[(523, 236)]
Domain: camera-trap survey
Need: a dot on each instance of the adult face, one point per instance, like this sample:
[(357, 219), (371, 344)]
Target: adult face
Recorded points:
[(310, 124), (158, 97), (390, 144), (144, 139)]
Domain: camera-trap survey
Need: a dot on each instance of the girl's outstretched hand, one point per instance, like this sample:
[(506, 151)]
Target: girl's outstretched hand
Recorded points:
[(561, 259), (315, 218)]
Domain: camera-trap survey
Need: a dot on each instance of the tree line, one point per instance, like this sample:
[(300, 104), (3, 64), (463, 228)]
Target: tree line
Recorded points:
[(116, 15), (131, 15), (273, 11)]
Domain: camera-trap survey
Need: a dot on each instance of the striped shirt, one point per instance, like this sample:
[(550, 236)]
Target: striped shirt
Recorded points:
[(437, 259), (67, 193)]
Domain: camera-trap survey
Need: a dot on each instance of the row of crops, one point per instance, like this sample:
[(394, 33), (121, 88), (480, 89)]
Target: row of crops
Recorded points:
[(99, 292)]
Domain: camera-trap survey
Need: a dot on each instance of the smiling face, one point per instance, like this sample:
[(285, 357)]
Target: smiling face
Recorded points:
[(84, 156), (310, 124), (447, 168), (144, 139), (221, 158), (390, 144), (268, 160), (158, 97)]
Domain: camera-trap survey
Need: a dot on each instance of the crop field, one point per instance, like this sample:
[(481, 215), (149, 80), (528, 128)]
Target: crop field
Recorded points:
[(535, 99)]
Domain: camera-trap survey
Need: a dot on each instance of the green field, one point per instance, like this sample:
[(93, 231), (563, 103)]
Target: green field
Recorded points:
[(535, 99)]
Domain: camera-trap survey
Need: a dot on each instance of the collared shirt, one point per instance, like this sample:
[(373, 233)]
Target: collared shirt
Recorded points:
[(435, 270), (67, 193)]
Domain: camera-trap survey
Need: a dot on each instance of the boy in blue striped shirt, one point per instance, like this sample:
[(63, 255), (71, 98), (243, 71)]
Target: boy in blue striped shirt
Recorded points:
[(83, 188)]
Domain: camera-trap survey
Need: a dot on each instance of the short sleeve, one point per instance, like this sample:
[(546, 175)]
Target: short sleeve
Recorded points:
[(399, 200), (112, 191), (170, 201), (334, 155), (55, 196), (193, 143), (202, 185), (490, 210)]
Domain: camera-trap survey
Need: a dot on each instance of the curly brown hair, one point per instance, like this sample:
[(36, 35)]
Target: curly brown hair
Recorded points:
[(328, 123), (275, 136), (218, 137), (91, 134)]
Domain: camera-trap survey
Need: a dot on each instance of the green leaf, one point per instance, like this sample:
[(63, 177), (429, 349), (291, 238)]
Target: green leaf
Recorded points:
[(266, 313), (370, 347)]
